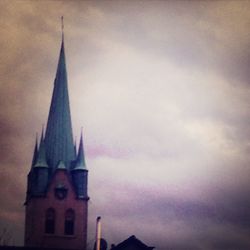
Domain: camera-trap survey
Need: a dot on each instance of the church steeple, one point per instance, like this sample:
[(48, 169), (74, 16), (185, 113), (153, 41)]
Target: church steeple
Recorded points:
[(58, 138), (58, 179)]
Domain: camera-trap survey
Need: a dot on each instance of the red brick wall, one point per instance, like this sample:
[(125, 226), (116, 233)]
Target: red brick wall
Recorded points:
[(35, 217)]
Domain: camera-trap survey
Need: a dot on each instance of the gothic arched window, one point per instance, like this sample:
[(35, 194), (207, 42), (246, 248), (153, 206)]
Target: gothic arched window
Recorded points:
[(50, 217), (69, 222)]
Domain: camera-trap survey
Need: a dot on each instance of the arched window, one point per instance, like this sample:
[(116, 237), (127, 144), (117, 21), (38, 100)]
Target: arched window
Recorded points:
[(69, 222), (50, 221)]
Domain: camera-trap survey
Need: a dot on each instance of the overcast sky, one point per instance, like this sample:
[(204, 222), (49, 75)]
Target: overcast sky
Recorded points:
[(161, 89)]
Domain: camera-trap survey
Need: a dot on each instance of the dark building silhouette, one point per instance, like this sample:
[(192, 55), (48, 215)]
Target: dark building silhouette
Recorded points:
[(57, 200), (132, 243)]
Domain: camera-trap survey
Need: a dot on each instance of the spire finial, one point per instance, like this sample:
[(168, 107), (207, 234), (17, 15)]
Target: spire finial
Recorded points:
[(62, 26)]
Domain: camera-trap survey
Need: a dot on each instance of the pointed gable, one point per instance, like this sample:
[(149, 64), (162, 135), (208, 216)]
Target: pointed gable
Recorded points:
[(132, 243), (58, 138)]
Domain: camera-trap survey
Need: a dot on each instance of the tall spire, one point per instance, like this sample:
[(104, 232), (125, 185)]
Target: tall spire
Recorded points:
[(58, 138)]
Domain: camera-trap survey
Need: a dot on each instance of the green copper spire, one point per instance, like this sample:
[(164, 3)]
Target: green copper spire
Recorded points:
[(41, 155), (35, 153), (80, 160), (58, 138), (75, 150)]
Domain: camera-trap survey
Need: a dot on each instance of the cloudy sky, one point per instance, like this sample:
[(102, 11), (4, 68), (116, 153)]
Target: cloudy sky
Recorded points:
[(161, 89)]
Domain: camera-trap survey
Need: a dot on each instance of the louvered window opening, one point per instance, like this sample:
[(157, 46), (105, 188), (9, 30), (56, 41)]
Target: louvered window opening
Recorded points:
[(50, 221), (69, 223)]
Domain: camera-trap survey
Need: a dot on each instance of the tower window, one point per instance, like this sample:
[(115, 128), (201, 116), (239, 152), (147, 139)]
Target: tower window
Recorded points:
[(69, 222), (50, 221)]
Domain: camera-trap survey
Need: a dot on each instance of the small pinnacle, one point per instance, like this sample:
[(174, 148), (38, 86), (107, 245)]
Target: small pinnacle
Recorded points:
[(42, 131)]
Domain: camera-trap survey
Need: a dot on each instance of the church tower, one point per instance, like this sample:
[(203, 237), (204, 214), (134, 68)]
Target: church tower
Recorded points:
[(57, 199)]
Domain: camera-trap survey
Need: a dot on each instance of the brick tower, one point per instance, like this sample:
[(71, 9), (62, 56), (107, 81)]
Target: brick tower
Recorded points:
[(57, 200)]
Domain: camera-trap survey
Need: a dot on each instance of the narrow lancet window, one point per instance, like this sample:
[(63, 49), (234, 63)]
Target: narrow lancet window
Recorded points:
[(69, 222), (50, 221)]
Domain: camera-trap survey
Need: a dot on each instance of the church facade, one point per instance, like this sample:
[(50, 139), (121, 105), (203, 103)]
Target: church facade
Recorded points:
[(56, 206)]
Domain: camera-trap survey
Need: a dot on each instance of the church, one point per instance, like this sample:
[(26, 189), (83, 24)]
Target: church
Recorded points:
[(56, 206)]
